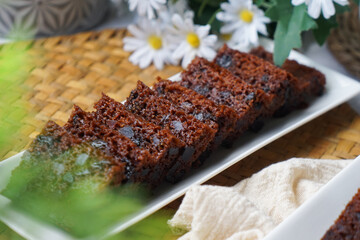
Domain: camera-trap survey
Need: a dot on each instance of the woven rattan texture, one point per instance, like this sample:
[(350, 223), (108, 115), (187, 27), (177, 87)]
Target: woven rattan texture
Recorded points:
[(344, 41), (76, 69)]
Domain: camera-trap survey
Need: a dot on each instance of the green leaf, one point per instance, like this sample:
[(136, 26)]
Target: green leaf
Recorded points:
[(291, 22), (324, 27), (357, 2), (341, 9)]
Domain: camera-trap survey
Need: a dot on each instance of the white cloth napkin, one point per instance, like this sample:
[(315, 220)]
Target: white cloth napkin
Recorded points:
[(253, 207)]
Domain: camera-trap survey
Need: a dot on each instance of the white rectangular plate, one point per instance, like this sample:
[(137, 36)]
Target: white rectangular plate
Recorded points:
[(312, 219), (339, 89)]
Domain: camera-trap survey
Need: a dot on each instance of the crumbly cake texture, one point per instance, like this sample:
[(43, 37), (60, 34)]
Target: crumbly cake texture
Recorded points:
[(347, 226), (311, 81), (277, 83), (219, 117), (195, 134), (163, 146), (140, 166), (220, 86), (64, 154)]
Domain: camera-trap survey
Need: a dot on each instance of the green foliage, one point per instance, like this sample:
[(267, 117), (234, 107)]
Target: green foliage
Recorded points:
[(55, 190), (324, 27), (14, 62), (291, 21), (205, 13)]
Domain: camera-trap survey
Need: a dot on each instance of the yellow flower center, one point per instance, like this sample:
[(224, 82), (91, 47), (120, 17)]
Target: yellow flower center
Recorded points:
[(246, 15), (227, 36), (155, 42), (193, 40)]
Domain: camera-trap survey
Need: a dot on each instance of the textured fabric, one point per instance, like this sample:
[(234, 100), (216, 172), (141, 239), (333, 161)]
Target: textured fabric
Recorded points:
[(253, 207)]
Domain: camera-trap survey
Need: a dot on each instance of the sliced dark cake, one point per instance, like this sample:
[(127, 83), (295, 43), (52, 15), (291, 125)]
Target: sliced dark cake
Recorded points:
[(140, 165), (312, 82), (71, 161), (347, 226), (196, 135), (163, 146), (220, 86), (278, 84), (221, 118)]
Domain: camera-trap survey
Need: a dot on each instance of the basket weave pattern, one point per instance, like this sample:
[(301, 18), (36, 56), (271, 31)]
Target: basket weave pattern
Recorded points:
[(344, 41), (76, 69)]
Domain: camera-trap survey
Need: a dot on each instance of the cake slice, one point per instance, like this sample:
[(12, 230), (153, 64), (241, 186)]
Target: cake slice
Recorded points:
[(347, 226), (163, 146), (196, 135), (220, 86), (219, 117), (68, 162), (140, 166), (277, 83), (312, 82)]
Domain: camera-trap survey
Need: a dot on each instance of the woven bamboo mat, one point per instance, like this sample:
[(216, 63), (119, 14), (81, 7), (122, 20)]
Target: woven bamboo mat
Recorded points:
[(75, 69)]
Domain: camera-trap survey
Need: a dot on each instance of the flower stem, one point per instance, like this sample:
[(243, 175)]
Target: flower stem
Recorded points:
[(202, 7), (212, 18)]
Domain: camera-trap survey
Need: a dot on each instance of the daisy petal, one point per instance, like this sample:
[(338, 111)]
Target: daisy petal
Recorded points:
[(189, 56), (314, 8), (146, 60), (328, 8)]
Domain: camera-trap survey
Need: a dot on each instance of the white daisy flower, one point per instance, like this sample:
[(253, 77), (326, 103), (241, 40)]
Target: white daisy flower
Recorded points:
[(149, 44), (179, 7), (243, 20), (234, 43), (316, 6), (191, 40), (146, 7)]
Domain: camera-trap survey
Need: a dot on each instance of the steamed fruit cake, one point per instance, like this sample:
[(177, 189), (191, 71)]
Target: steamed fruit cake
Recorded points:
[(347, 226), (220, 86), (65, 155), (221, 118), (162, 133), (311, 81), (196, 135), (163, 146), (140, 165), (277, 83)]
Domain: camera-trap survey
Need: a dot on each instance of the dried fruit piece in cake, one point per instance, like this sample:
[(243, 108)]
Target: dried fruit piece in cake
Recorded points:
[(140, 167), (347, 226), (68, 163), (196, 135), (219, 117), (163, 146), (220, 86), (312, 82), (279, 84)]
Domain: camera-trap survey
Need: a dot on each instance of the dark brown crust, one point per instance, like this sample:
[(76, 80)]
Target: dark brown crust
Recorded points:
[(86, 127), (196, 135), (220, 86), (163, 146), (219, 117), (347, 226), (54, 140), (277, 83), (311, 81)]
